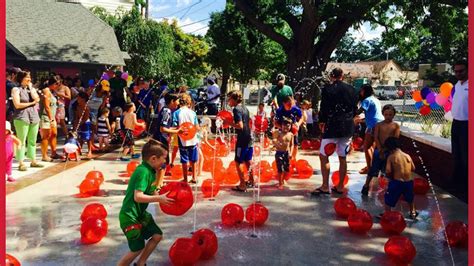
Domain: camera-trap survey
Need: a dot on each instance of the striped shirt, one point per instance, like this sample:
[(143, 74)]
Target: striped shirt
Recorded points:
[(102, 129)]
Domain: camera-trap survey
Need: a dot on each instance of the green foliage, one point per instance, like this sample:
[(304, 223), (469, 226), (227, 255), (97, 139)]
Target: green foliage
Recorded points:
[(446, 130), (427, 125)]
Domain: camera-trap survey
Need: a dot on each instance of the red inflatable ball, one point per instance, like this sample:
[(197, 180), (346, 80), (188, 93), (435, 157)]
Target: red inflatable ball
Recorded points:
[(207, 241), (232, 214), (261, 124), (344, 207), (189, 131), (93, 230), (184, 251), (138, 130), (211, 163), (176, 172), (183, 198), (210, 188), (304, 169), (357, 143), (222, 150), (457, 234), (11, 261), (420, 186), (293, 169), (335, 179), (360, 221), (393, 222), (96, 210), (383, 182), (95, 175), (219, 175), (329, 149), (256, 214), (131, 166), (89, 187), (400, 250), (226, 117), (266, 174), (315, 144), (306, 145)]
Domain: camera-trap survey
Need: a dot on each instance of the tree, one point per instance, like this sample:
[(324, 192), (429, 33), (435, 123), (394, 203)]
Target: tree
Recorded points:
[(318, 26)]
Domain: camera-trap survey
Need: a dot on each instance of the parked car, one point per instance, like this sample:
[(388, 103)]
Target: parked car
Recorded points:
[(392, 92)]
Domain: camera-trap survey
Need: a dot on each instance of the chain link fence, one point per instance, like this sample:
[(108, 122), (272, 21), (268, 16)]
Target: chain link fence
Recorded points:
[(408, 115)]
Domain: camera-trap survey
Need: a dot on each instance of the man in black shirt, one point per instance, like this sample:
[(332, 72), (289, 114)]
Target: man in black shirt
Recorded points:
[(338, 108), (244, 145)]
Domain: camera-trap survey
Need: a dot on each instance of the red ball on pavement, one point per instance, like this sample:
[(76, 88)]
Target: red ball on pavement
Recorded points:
[(400, 250), (89, 187), (329, 149), (304, 170), (457, 233), (315, 144), (306, 145), (232, 214), (219, 175), (210, 188), (335, 179), (131, 166), (256, 214), (360, 221), (266, 175), (261, 124), (95, 175), (211, 163), (184, 251), (344, 207), (207, 240), (393, 222), (93, 230), (420, 186), (96, 210), (183, 198), (11, 261)]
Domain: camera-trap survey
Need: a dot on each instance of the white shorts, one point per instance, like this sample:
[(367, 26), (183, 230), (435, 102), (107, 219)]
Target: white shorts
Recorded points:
[(340, 145)]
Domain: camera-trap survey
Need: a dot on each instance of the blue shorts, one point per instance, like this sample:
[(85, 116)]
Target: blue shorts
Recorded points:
[(282, 159), (188, 154), (243, 154), (397, 188), (377, 164)]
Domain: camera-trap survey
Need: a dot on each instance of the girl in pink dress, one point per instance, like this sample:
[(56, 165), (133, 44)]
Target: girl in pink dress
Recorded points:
[(10, 141)]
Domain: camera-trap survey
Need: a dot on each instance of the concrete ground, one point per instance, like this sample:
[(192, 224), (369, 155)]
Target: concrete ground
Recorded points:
[(43, 221)]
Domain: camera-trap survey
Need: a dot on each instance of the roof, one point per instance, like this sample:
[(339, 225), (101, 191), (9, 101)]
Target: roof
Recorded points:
[(45, 30), (355, 70), (379, 65)]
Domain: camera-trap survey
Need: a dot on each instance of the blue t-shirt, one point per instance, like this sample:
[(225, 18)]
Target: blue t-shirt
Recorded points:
[(145, 96), (294, 114), (372, 110), (164, 119)]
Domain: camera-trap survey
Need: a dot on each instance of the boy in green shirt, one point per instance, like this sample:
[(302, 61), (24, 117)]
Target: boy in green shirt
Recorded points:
[(280, 91), (136, 223)]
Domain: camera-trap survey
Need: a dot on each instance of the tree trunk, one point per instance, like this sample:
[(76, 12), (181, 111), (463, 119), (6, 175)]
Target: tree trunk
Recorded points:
[(225, 81)]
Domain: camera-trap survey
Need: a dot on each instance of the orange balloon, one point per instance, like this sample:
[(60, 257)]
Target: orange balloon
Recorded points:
[(211, 163), (11, 261), (189, 131), (89, 187), (445, 89), (131, 166), (219, 175), (96, 175), (177, 172), (210, 188), (417, 96), (335, 179), (226, 117)]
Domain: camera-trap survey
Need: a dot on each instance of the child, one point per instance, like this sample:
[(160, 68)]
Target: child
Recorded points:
[(136, 223), (130, 122), (284, 144), (244, 145), (71, 139), (162, 129), (399, 169), (383, 130), (188, 150), (82, 123), (308, 119), (261, 111), (10, 142), (116, 126), (294, 113), (103, 129)]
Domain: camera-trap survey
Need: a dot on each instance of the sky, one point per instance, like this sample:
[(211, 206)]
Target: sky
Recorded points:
[(193, 16)]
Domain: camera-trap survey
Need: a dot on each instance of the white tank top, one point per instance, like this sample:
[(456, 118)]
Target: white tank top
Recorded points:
[(309, 116)]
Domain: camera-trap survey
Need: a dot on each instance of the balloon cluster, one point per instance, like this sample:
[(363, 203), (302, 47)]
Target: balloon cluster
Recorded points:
[(233, 214), (94, 225), (187, 251), (300, 169), (90, 186), (427, 100)]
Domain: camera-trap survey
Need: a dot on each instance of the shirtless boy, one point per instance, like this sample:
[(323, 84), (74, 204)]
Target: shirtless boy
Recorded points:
[(283, 143), (130, 122)]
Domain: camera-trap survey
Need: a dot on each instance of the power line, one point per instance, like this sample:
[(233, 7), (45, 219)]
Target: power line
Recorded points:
[(200, 1), (198, 29), (179, 11), (189, 24)]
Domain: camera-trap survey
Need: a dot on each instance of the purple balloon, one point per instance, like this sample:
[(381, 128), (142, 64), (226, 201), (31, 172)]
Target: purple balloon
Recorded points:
[(105, 76), (424, 92), (124, 76), (431, 97)]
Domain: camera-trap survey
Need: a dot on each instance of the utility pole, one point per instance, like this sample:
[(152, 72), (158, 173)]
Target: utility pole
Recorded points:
[(146, 8)]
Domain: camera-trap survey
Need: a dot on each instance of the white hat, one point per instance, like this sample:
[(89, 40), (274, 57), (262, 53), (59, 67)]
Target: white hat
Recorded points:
[(8, 126)]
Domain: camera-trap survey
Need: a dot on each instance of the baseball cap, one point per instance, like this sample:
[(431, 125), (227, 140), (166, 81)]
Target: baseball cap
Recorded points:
[(280, 77)]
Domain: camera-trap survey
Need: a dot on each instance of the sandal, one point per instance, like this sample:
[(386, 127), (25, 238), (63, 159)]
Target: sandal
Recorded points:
[(319, 191), (47, 160), (36, 165), (238, 189), (192, 182), (413, 215), (22, 168), (334, 190)]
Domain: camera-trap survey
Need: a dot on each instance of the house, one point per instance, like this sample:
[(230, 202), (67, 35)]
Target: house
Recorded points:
[(386, 72), (46, 36)]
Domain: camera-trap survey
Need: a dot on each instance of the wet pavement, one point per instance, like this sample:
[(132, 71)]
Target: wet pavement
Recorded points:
[(43, 221)]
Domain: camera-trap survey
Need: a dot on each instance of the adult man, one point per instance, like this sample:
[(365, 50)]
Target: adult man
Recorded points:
[(280, 91), (459, 129), (338, 108), (117, 85), (10, 77), (213, 94)]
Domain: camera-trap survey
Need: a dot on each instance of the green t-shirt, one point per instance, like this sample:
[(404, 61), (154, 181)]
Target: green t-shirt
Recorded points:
[(281, 94), (142, 179)]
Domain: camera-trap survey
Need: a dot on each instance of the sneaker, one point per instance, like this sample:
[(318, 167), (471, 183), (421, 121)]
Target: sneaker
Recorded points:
[(124, 159), (365, 191), (135, 156)]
